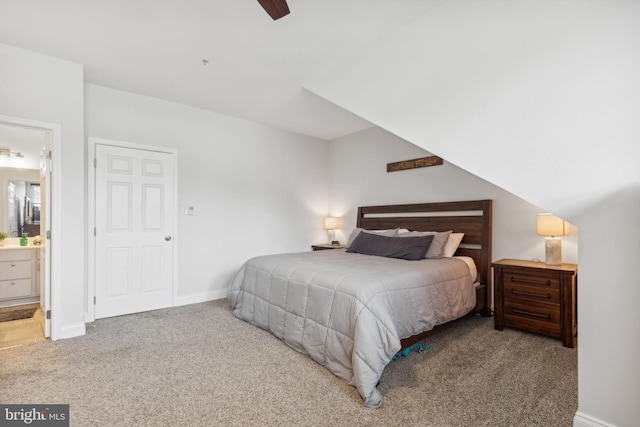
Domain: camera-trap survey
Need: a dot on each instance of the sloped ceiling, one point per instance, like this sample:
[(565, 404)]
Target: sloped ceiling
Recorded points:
[(256, 67), (540, 98)]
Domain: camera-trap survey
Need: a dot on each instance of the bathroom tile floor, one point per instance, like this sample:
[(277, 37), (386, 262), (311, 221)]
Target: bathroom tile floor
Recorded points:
[(20, 332)]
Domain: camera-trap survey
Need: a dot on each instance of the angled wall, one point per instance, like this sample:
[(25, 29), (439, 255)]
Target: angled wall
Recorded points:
[(542, 99)]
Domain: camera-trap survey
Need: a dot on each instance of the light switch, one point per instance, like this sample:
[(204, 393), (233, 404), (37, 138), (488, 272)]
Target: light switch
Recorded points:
[(191, 211)]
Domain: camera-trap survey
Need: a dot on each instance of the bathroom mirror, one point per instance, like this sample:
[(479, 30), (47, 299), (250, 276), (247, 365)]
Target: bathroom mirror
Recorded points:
[(20, 201)]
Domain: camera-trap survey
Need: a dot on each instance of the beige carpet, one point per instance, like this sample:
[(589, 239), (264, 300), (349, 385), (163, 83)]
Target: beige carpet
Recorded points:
[(197, 365)]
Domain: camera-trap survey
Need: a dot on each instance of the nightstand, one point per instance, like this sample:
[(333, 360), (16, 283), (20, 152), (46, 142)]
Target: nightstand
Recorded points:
[(536, 297), (326, 246)]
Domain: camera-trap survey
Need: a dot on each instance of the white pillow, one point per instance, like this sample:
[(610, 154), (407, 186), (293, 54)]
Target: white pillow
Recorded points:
[(452, 244), (389, 233), (436, 248)]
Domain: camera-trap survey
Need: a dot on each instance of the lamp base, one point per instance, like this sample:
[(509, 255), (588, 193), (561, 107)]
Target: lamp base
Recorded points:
[(332, 236), (553, 250)]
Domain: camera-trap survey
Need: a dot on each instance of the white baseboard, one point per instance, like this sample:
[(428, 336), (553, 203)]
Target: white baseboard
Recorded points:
[(79, 329), (201, 297), (583, 420)]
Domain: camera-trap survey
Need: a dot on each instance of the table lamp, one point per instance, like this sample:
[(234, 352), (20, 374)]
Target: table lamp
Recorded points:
[(552, 228), (330, 224)]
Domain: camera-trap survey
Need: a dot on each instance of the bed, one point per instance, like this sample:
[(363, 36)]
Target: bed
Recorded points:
[(352, 312)]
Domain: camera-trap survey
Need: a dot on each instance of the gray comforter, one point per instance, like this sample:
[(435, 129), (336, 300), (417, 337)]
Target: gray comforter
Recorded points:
[(348, 311)]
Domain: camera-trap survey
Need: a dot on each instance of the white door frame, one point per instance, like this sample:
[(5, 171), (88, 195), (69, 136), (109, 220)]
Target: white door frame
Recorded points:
[(53, 245), (90, 312)]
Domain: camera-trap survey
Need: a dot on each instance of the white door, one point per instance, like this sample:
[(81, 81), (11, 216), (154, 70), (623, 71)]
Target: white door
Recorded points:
[(134, 230), (44, 260)]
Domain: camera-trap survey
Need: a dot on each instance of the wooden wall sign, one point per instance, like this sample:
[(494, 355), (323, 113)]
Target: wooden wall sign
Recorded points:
[(422, 162)]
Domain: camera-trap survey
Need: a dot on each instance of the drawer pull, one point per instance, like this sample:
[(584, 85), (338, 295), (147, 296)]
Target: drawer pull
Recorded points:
[(529, 294), (13, 265), (534, 282), (526, 313), (13, 283)]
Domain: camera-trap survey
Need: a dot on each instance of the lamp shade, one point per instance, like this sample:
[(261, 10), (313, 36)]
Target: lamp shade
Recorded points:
[(550, 225), (330, 223)]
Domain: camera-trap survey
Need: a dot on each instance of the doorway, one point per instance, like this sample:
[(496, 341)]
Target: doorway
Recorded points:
[(26, 168)]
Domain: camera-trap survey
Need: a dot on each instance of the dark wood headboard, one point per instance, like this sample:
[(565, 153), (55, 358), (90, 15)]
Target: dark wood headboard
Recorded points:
[(473, 218)]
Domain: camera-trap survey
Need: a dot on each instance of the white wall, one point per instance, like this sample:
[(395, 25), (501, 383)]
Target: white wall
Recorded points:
[(540, 98), (609, 342), (258, 190), (46, 89), (359, 177)]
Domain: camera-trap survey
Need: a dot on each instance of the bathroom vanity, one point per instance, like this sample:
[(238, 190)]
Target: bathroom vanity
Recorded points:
[(19, 275)]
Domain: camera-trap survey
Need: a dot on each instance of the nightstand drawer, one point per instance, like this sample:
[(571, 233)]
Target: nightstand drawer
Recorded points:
[(15, 270), (535, 317), (15, 288), (531, 279), (531, 293)]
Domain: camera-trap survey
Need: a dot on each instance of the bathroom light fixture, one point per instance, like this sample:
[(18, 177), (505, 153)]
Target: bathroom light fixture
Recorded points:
[(330, 224), (7, 156), (552, 227), (7, 152)]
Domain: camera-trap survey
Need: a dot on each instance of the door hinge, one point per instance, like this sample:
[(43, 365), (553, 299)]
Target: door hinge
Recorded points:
[(48, 234), (95, 163), (94, 231), (49, 155), (94, 300), (48, 314)]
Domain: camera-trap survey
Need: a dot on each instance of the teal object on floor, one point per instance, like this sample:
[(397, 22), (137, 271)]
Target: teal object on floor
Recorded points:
[(417, 348)]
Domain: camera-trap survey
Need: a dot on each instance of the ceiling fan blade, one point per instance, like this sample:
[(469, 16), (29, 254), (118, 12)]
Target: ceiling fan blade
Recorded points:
[(275, 8)]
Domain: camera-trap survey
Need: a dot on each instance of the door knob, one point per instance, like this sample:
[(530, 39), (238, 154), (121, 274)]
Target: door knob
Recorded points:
[(168, 238)]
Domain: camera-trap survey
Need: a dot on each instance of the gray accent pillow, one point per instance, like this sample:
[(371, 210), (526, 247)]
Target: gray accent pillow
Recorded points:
[(409, 248), (390, 233), (436, 250)]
